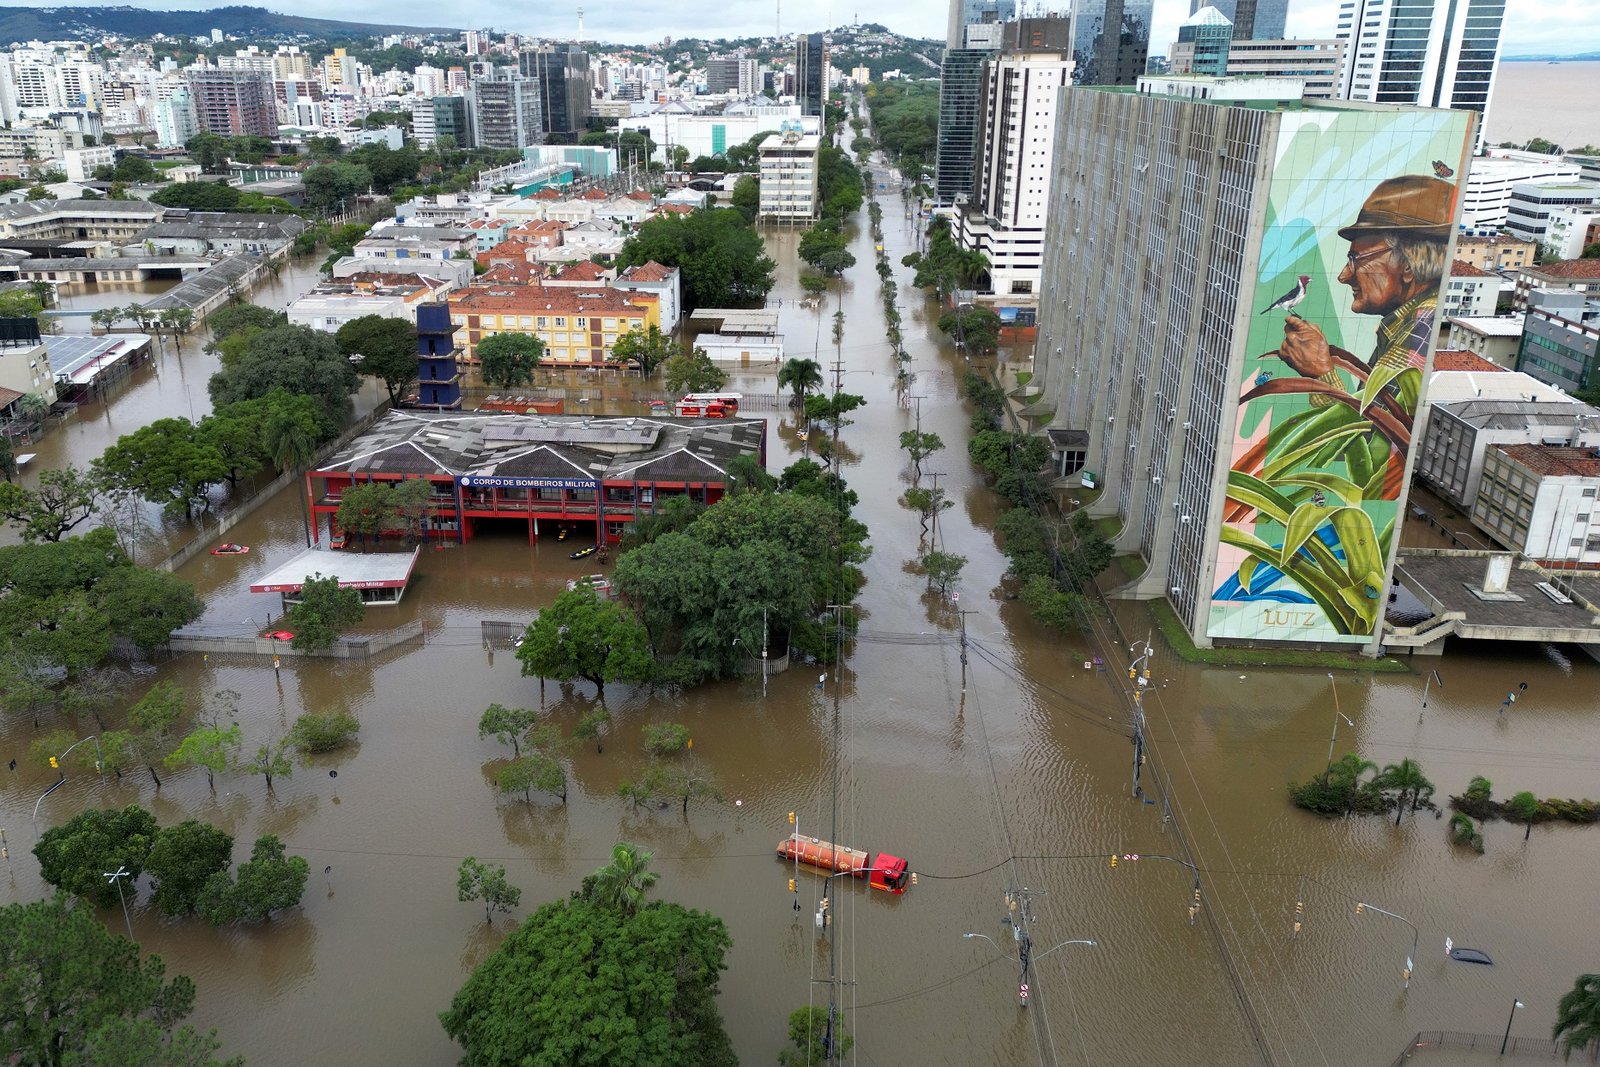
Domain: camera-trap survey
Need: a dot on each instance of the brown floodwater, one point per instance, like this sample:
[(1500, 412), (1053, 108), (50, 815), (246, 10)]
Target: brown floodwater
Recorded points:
[(1021, 779)]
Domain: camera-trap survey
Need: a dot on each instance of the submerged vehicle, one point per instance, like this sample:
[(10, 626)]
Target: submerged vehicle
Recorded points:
[(230, 549), (883, 871)]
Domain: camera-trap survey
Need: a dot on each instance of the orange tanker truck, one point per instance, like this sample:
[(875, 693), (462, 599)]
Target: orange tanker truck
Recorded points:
[(885, 872)]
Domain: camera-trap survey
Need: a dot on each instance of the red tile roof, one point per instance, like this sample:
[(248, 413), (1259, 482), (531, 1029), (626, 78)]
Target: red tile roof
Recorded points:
[(1461, 269), (1557, 461), (594, 194), (519, 272), (678, 209), (541, 298), (1576, 269), (547, 193), (582, 271), (1460, 359), (649, 272), (641, 194), (9, 397)]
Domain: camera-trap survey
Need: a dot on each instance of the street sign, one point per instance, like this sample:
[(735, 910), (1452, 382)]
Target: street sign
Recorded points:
[(1448, 945)]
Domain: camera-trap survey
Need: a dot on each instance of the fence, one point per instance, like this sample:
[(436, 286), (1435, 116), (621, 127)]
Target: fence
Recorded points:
[(499, 635), (362, 647), (1433, 1040)]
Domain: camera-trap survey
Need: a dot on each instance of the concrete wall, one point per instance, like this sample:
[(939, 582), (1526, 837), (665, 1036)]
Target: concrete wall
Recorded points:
[(363, 647)]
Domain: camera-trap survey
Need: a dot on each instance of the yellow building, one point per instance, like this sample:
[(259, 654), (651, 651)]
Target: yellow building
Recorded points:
[(578, 326)]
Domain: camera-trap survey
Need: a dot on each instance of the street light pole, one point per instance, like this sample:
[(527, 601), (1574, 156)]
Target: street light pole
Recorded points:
[(1337, 715), (1433, 676), (1515, 1004), (115, 878), (1405, 974)]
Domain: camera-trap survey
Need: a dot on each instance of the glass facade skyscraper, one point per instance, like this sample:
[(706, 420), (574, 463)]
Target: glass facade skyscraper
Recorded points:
[(964, 13), (811, 74), (1111, 41), (960, 102), (1259, 20), (1437, 53)]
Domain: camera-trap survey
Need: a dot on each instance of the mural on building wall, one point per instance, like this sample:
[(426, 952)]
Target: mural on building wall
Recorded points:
[(1358, 226)]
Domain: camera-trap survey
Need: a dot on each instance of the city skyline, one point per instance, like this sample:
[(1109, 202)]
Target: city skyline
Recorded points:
[(1564, 27)]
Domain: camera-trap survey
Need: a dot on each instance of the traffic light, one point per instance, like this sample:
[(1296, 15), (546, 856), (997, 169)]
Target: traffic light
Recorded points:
[(55, 764), (792, 888), (791, 818), (1113, 859)]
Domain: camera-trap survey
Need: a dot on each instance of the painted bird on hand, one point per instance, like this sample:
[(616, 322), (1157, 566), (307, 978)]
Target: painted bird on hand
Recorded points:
[(1287, 302)]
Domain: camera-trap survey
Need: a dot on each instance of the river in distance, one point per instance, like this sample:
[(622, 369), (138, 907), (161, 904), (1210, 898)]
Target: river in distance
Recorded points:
[(1557, 101)]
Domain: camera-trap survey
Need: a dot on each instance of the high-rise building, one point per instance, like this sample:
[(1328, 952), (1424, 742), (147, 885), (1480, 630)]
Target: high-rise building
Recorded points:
[(566, 86), (504, 112), (1253, 20), (964, 13), (1005, 218), (811, 73), (1111, 41), (1434, 53), (234, 103), (1316, 62), (1243, 402), (174, 120), (722, 74), (789, 175), (1203, 44), (960, 97)]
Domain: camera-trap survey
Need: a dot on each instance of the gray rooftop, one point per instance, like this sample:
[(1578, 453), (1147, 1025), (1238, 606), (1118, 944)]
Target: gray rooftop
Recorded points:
[(365, 568), (34, 208), (1514, 414), (208, 224), (1445, 579), (550, 446)]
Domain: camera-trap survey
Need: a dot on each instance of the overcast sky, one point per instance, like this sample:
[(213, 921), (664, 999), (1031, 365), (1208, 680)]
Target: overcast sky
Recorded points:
[(1558, 26)]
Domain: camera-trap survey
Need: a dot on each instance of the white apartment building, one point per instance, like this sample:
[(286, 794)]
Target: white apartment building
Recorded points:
[(1486, 192), (81, 163), (1009, 209), (25, 368), (1314, 61), (789, 176), (1471, 292), (1433, 53), (174, 119)]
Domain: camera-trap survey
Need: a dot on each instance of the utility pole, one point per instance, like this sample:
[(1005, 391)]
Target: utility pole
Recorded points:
[(829, 1044), (1140, 680), (936, 500), (962, 615)]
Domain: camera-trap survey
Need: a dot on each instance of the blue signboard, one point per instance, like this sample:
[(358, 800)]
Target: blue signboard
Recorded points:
[(495, 481)]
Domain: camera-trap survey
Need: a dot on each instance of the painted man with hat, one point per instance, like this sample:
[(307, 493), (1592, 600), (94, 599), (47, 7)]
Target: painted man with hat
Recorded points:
[(1397, 257)]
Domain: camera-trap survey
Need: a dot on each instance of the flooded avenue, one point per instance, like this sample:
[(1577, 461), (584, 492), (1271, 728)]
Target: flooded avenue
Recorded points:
[(1031, 761)]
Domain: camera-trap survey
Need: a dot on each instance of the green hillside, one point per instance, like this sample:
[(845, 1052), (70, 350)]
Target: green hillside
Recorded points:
[(254, 23)]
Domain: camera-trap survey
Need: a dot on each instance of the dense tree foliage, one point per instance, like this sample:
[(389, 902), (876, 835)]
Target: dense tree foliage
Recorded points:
[(332, 185), (387, 349), (297, 360), (73, 993), (692, 372), (722, 260), (268, 881), (644, 350), (946, 266), (323, 612), (64, 602), (167, 462), (790, 553), (182, 860), (63, 498), (508, 360), (905, 118), (583, 983), (581, 636), (488, 883), (75, 856)]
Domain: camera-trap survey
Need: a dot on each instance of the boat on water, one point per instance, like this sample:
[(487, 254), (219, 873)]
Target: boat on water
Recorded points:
[(230, 549), (584, 553), (883, 871)]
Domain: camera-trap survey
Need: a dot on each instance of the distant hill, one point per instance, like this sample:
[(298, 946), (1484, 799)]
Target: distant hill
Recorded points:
[(1579, 58), (254, 23)]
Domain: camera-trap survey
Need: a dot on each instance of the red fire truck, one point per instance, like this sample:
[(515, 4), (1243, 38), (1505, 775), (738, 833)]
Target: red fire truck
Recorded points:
[(708, 405)]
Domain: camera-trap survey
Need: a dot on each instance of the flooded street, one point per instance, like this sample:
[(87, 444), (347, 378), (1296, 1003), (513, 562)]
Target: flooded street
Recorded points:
[(1023, 778)]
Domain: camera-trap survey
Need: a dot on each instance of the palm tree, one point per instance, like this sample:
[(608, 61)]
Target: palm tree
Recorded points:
[(1345, 774), (291, 443), (1578, 1014), (1405, 779), (803, 375), (622, 883), (1524, 807)]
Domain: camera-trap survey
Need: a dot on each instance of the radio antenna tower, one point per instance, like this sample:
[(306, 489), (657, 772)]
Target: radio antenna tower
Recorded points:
[(580, 25)]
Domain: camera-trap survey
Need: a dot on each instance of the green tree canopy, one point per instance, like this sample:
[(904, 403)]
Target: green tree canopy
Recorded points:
[(296, 360), (580, 636), (488, 883), (1577, 1023), (63, 498), (643, 349), (75, 856), (693, 372), (388, 350), (746, 197), (167, 462), (367, 509), (330, 185), (268, 881), (582, 983), (323, 612), (507, 360), (181, 861), (198, 196), (73, 993), (722, 260)]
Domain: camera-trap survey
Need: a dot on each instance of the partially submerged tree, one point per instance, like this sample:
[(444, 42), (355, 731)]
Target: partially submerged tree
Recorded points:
[(580, 636), (485, 882)]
